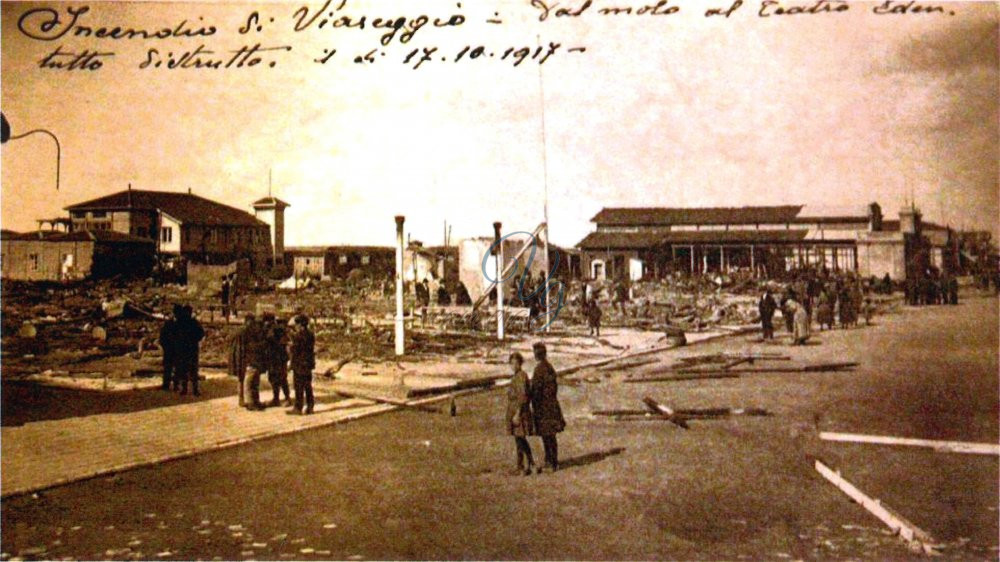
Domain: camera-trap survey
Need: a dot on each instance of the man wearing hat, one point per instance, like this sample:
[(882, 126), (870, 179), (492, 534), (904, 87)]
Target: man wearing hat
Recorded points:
[(238, 354), (545, 407), (258, 361), (303, 360), (168, 344)]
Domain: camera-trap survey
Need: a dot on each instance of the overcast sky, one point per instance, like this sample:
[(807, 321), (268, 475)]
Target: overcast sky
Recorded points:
[(678, 110)]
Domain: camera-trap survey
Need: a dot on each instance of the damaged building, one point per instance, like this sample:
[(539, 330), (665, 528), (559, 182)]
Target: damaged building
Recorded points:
[(73, 256), (180, 224), (766, 241)]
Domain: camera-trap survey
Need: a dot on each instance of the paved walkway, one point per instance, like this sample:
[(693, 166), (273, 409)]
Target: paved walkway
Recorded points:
[(44, 454), (48, 453)]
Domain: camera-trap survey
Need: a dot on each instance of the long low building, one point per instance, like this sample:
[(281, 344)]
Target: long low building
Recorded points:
[(654, 241), (71, 256)]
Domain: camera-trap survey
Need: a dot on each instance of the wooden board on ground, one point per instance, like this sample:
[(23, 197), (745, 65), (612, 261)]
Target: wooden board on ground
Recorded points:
[(918, 539), (939, 446)]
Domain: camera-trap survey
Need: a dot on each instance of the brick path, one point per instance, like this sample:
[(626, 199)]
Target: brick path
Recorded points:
[(44, 454)]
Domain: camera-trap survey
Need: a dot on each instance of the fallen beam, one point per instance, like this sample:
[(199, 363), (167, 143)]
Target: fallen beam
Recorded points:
[(917, 539), (390, 401), (665, 412), (939, 446), (685, 377), (690, 412), (816, 368), (484, 382)]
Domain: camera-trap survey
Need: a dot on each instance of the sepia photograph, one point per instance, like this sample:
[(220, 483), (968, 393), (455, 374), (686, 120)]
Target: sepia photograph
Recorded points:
[(500, 280)]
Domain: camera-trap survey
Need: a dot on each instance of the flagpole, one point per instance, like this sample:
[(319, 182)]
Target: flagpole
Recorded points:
[(545, 190)]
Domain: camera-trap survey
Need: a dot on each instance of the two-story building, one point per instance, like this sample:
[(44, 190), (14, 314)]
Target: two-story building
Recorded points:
[(181, 224)]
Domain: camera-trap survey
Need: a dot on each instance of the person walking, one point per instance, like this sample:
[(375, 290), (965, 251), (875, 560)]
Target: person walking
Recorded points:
[(189, 336), (303, 359), (168, 345), (766, 306), (520, 422), (238, 355), (548, 416)]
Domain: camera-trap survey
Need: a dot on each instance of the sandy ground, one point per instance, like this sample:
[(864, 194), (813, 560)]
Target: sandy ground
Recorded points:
[(414, 485)]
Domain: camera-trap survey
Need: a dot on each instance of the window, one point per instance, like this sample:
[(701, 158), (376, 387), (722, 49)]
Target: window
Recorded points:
[(213, 236), (33, 262), (166, 234), (366, 259), (342, 259), (98, 214)]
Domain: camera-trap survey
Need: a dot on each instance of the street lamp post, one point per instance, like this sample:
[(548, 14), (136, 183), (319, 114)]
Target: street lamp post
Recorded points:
[(5, 135)]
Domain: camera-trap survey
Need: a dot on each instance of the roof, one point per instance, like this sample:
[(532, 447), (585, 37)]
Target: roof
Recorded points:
[(663, 216), (185, 207), (643, 240), (77, 236), (270, 202)]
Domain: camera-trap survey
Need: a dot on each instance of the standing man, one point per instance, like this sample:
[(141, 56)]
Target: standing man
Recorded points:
[(189, 336), (168, 344), (594, 314), (303, 356), (545, 407), (238, 354), (224, 297), (277, 372), (766, 306), (258, 361)]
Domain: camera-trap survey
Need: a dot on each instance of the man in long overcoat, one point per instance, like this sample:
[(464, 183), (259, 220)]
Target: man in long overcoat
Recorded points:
[(766, 307), (520, 422), (303, 359), (258, 361), (189, 336), (168, 344), (238, 354), (545, 407)]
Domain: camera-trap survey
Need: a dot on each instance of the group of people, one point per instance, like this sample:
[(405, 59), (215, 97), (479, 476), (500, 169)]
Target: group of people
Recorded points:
[(180, 339), (931, 288), (266, 346), (803, 301), (533, 409)]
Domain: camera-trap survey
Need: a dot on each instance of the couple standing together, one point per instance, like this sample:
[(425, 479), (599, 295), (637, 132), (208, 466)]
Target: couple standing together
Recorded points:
[(533, 409)]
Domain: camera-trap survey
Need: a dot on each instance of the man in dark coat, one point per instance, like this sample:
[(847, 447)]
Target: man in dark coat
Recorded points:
[(303, 359), (277, 372), (258, 361), (238, 354), (545, 407), (168, 344), (594, 314), (766, 306), (224, 297), (788, 315), (189, 336)]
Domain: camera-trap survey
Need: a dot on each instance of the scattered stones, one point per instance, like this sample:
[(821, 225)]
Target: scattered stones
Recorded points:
[(330, 526), (307, 550), (259, 545), (164, 554), (279, 537)]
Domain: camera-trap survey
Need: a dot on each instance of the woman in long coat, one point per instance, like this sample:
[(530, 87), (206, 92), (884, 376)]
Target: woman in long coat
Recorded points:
[(801, 323), (545, 407), (520, 422), (824, 311)]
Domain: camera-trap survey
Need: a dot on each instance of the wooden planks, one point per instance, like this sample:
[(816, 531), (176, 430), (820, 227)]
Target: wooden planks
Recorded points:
[(939, 446), (918, 539)]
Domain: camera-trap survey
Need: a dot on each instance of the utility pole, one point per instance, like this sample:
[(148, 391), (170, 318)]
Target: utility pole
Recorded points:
[(498, 252), (400, 347)]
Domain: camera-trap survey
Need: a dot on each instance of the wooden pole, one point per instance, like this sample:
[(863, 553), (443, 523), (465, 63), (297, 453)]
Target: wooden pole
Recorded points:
[(499, 269), (400, 329)]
